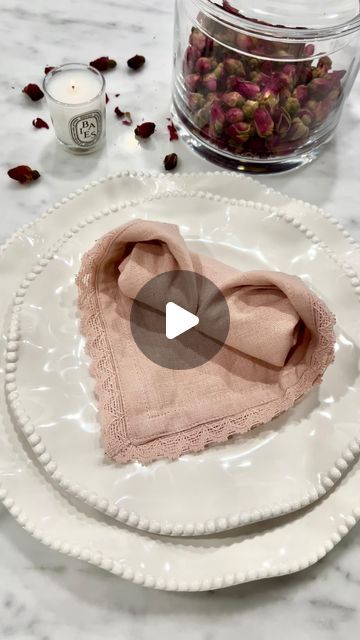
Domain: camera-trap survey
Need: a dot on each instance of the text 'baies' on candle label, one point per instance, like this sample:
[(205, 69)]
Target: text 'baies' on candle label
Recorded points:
[(85, 129)]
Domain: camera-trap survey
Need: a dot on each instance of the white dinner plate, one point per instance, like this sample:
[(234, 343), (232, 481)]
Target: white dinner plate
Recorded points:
[(215, 562), (274, 469)]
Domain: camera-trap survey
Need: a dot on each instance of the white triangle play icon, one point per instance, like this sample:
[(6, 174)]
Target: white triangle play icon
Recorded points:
[(178, 320)]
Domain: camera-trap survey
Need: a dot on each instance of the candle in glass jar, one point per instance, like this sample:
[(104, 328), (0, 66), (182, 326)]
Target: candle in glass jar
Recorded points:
[(76, 98)]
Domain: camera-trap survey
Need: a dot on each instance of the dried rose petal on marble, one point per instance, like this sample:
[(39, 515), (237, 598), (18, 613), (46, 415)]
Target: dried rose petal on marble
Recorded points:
[(33, 91), (48, 69), (170, 161), (125, 116), (103, 63), (106, 98), (145, 130), (39, 123), (136, 62), (23, 174), (173, 134)]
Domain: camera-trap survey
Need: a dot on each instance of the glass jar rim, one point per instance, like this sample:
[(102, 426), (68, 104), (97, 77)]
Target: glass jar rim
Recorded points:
[(77, 65), (277, 32)]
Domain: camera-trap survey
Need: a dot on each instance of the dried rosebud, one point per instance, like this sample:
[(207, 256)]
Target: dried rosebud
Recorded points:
[(219, 71), (234, 114), (301, 93), (209, 82), (217, 118), (288, 75), (232, 66), (119, 113), (305, 75), (48, 69), (232, 99), (103, 63), (292, 106), (106, 98), (311, 105), (249, 107), (267, 66), (173, 134), (197, 39), (204, 65), (195, 101), (323, 66), (321, 87), (192, 54), (239, 132), (136, 62), (306, 116), (269, 99), (145, 130), (247, 89), (202, 117), (23, 174), (244, 43), (282, 121), (33, 91), (39, 123), (254, 63), (284, 95), (309, 51), (192, 81), (263, 122), (298, 130), (170, 161)]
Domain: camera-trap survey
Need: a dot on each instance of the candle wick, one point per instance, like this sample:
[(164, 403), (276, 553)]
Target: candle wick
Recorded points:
[(73, 86)]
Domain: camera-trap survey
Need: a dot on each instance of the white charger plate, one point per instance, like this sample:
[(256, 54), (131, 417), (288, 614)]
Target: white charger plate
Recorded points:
[(287, 546), (242, 481)]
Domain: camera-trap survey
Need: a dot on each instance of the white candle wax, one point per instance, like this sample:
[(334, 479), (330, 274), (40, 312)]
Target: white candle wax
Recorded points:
[(76, 99)]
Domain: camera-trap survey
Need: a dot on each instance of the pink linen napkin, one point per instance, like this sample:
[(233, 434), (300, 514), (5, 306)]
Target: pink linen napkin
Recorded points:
[(280, 342)]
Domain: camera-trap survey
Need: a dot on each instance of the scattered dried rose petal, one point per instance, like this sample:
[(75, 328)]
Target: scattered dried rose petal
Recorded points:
[(172, 132), (117, 95), (33, 91), (125, 116), (145, 130), (136, 62), (48, 69), (23, 174), (170, 161), (39, 123), (106, 98), (103, 63)]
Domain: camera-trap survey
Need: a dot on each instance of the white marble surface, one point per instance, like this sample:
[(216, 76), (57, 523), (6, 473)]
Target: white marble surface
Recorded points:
[(47, 596)]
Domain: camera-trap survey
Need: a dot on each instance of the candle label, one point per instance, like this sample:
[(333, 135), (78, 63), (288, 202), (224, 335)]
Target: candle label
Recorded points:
[(85, 129)]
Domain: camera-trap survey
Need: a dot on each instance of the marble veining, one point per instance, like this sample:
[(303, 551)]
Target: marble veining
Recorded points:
[(46, 596)]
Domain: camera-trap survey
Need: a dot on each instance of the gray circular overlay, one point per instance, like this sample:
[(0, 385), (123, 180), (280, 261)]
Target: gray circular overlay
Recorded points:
[(193, 292)]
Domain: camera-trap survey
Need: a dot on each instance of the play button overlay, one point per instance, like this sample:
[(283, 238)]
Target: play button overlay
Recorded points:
[(179, 320)]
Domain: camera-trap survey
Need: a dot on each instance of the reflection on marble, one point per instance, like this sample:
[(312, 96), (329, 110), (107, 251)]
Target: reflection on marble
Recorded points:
[(44, 595)]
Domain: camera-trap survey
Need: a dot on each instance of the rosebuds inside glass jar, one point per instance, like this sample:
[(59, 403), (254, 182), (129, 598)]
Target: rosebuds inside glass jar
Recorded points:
[(260, 86)]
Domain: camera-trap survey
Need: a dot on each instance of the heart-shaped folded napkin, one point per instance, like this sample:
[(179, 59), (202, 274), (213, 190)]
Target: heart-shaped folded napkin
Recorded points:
[(280, 341)]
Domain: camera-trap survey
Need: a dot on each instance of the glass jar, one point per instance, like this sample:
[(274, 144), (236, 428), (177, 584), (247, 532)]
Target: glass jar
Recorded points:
[(251, 94)]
